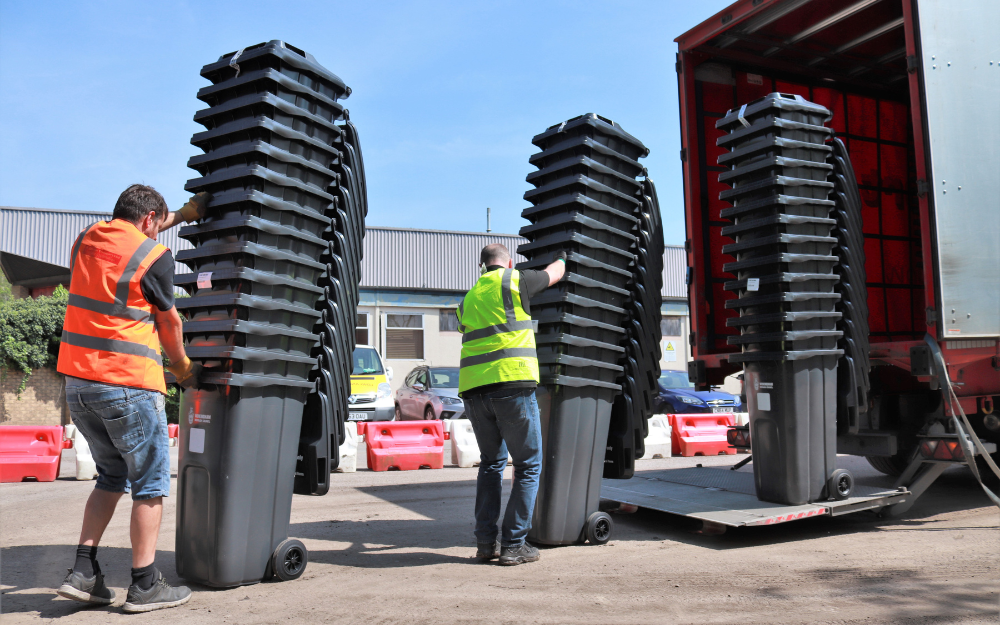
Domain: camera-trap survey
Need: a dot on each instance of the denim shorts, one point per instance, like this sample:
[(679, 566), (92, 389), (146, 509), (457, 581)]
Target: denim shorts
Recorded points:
[(126, 429)]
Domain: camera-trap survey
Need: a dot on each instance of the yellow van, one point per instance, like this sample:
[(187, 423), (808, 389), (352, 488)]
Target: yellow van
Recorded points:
[(371, 395)]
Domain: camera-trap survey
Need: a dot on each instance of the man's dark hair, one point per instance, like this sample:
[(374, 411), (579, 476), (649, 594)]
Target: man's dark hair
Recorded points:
[(137, 201), (494, 254)]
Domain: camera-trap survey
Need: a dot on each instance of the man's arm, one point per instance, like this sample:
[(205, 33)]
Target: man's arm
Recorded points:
[(192, 211), (169, 326), (557, 269)]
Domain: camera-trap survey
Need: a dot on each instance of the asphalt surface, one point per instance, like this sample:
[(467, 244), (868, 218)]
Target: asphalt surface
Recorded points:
[(396, 547)]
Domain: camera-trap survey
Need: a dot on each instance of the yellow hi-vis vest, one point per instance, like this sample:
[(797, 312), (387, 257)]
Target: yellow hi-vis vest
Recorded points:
[(498, 344)]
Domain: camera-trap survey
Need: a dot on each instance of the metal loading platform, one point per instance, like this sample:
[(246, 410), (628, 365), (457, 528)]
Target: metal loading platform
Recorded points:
[(719, 495)]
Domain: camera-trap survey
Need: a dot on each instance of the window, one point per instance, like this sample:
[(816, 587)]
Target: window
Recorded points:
[(366, 361), (361, 331), (404, 337), (444, 378), (422, 378), (672, 326), (447, 320)]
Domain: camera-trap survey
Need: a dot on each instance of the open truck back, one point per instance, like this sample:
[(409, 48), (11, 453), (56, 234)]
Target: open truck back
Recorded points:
[(914, 91)]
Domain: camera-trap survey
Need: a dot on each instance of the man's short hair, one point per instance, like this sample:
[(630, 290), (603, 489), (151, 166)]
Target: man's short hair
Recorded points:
[(494, 254), (137, 201)]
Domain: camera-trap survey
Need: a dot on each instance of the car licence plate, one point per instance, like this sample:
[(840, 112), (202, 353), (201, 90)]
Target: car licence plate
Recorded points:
[(357, 416), (722, 409)]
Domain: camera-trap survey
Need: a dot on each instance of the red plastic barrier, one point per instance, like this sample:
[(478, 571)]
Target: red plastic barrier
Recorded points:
[(31, 451), (173, 430), (404, 445), (701, 434)]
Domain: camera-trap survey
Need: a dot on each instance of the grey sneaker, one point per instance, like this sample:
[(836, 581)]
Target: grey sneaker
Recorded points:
[(91, 590), (511, 556), (160, 595), (486, 551)]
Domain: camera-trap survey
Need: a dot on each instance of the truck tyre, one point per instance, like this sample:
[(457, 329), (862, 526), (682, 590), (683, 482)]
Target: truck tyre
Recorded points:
[(289, 560), (598, 528), (890, 465), (990, 479), (841, 484)]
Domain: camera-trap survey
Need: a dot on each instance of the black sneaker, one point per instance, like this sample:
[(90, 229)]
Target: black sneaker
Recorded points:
[(160, 595), (79, 587), (511, 556), (486, 551)]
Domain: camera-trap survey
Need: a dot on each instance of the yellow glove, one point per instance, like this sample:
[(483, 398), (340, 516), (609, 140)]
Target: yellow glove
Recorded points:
[(196, 207), (186, 372)]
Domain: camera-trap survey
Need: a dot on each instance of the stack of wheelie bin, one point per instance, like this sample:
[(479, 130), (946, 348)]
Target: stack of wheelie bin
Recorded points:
[(854, 366), (588, 203), (641, 362), (785, 266), (264, 270)]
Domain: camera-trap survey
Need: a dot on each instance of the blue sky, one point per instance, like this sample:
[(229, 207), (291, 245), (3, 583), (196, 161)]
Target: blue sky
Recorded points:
[(446, 95)]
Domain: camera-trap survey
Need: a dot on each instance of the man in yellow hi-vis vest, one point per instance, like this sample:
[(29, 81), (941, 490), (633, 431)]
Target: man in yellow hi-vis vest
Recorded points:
[(497, 380)]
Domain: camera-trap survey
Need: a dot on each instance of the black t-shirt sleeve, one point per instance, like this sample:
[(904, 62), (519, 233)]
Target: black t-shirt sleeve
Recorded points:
[(533, 282), (158, 283)]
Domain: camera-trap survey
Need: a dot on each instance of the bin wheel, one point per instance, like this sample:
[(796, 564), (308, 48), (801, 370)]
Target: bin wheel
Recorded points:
[(840, 484), (598, 529), (289, 560)]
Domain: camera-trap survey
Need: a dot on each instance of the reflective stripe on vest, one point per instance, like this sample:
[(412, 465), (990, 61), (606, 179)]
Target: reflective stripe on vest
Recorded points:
[(498, 343), (108, 334)]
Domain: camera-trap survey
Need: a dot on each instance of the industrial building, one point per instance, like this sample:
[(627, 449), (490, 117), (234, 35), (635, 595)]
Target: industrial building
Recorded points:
[(411, 282)]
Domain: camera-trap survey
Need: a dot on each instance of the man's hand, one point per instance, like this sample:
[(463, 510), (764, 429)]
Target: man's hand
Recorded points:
[(196, 207), (557, 269), (186, 372)]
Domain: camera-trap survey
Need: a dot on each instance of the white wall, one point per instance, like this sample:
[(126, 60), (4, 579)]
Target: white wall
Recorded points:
[(442, 349)]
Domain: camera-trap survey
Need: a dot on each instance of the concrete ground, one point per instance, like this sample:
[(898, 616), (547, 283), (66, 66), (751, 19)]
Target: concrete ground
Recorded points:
[(396, 547)]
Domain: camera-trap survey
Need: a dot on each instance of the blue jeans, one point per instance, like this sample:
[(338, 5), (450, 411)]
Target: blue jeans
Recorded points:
[(126, 429), (506, 420)]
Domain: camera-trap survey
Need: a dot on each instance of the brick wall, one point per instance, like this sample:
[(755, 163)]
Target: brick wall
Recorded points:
[(43, 401)]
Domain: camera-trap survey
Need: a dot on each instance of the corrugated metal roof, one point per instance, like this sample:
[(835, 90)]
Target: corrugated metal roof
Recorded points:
[(440, 260), (47, 234), (674, 272), (395, 258)]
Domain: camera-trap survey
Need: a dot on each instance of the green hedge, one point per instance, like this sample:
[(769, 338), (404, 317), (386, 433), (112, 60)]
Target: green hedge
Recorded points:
[(30, 330)]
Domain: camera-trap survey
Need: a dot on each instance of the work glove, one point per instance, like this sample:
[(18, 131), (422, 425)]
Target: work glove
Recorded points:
[(186, 372), (561, 255), (196, 207)]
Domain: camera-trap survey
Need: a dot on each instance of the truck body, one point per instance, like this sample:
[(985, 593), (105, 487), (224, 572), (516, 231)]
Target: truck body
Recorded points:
[(914, 88)]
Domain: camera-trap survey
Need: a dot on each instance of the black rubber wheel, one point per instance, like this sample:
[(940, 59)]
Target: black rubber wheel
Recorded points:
[(289, 560), (398, 415), (429, 414), (840, 484), (599, 527), (990, 479), (890, 465)]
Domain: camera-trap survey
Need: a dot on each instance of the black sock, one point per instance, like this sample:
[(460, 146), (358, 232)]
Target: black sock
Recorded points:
[(145, 577), (86, 560)]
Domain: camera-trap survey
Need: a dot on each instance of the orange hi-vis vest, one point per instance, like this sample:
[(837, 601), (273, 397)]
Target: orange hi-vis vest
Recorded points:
[(109, 334)]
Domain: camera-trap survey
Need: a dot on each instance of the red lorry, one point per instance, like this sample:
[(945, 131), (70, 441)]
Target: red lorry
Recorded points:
[(913, 86)]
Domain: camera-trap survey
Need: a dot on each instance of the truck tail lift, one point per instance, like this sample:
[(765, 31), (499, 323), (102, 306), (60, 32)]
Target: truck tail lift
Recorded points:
[(911, 86)]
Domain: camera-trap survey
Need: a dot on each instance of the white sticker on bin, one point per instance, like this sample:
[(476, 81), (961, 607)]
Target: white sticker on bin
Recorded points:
[(205, 280), (753, 284), (196, 438), (763, 401)]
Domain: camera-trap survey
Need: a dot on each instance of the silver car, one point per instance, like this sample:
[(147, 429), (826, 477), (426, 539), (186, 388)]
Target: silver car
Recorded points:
[(430, 393)]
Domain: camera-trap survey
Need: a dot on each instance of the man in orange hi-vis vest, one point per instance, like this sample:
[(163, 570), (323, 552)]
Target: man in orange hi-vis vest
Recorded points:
[(120, 309)]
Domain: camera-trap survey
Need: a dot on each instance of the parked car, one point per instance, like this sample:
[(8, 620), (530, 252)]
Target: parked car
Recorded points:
[(371, 395), (430, 393), (677, 395)]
